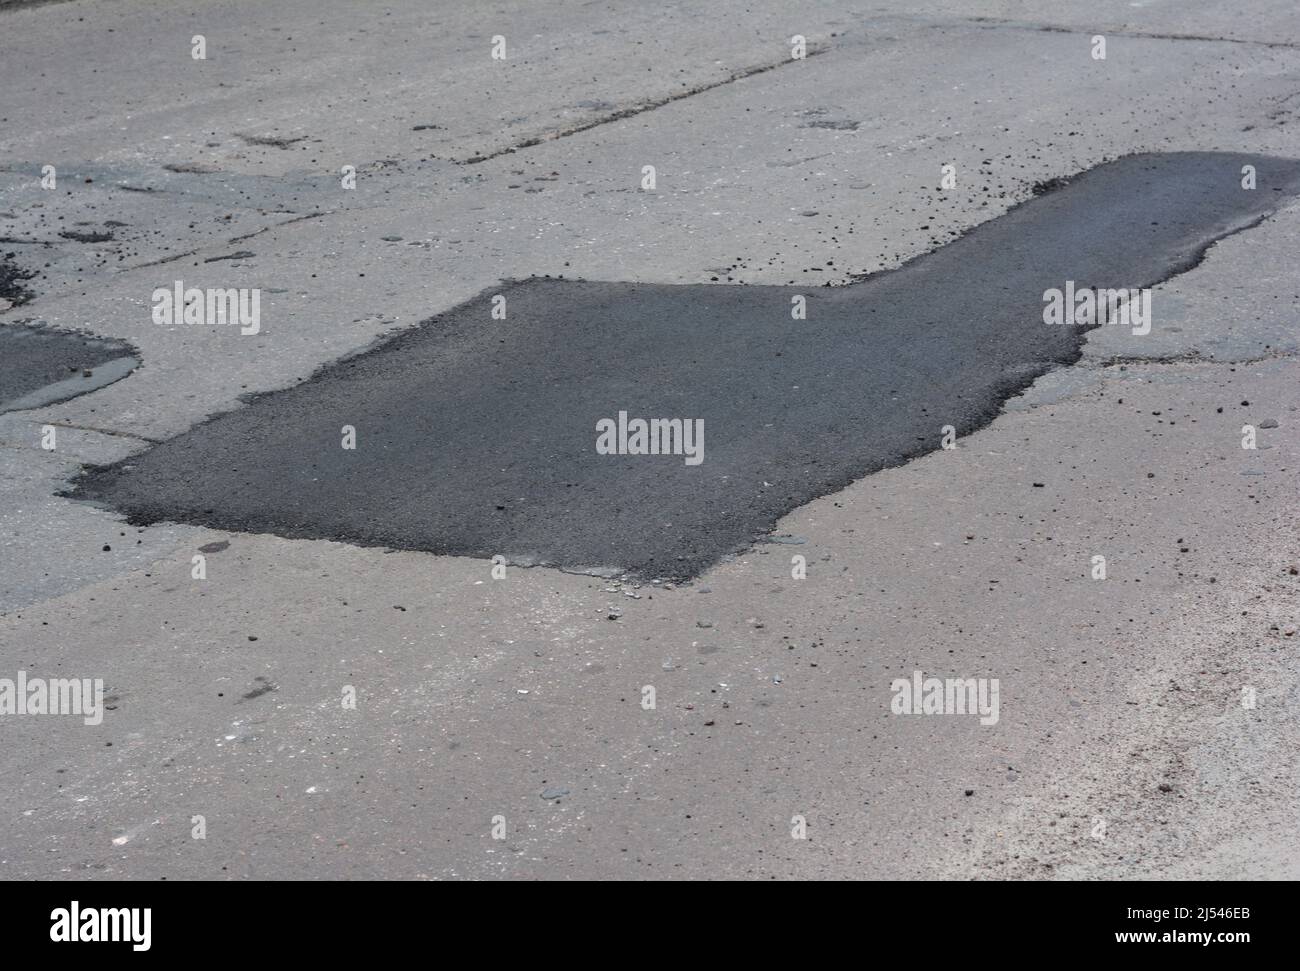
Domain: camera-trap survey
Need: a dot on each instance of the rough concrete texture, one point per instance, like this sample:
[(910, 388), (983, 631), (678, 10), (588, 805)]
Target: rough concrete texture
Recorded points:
[(521, 697)]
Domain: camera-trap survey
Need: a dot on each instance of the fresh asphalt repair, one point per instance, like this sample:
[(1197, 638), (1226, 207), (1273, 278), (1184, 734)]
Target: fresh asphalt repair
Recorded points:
[(514, 433)]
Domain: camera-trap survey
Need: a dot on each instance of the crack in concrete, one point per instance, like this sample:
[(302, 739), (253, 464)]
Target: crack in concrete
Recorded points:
[(287, 222), (165, 259), (270, 141), (633, 110), (101, 431), (997, 23), (232, 239), (1188, 357)]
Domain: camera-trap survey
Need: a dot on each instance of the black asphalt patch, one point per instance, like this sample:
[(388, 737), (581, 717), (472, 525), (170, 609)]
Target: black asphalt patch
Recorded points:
[(40, 366), (13, 293), (477, 436)]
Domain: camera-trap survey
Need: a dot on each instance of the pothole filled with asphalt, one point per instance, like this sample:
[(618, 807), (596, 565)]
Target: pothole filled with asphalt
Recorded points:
[(534, 437), (42, 366)]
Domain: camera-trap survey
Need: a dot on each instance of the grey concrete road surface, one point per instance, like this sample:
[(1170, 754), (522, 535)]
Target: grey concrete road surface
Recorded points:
[(1115, 546)]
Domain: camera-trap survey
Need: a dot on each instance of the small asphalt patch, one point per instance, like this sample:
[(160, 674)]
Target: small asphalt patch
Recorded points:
[(12, 291), (41, 366), (478, 436)]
